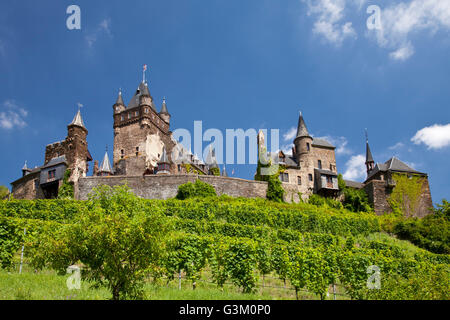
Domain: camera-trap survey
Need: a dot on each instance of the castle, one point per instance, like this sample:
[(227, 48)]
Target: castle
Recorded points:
[(154, 164)]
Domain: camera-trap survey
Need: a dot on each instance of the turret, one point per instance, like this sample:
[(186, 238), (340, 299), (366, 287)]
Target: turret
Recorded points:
[(105, 167), (25, 169), (77, 154), (164, 114), (303, 141), (370, 163), (119, 106), (163, 163)]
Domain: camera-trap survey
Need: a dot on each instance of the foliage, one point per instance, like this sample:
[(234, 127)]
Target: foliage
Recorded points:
[(265, 171), (355, 200), (317, 200), (431, 232), (406, 193), (116, 240), (215, 171), (275, 191), (4, 192), (66, 189), (197, 189)]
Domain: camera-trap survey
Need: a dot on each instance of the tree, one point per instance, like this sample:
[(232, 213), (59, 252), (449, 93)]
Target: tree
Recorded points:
[(116, 238), (4, 192), (197, 189)]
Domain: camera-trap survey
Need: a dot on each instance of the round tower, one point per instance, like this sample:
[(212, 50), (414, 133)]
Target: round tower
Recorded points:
[(303, 142)]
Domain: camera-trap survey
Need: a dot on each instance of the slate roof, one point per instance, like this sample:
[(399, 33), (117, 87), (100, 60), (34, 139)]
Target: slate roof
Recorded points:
[(322, 143), (326, 172), (164, 107), (392, 164), (353, 184), (55, 161), (119, 100), (302, 131), (142, 90), (369, 157), (77, 120), (106, 165)]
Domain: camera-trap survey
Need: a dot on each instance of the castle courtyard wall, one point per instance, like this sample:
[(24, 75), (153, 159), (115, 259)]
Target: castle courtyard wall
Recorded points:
[(166, 186)]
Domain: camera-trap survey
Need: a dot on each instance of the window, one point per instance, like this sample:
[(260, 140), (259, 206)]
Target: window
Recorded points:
[(137, 151), (121, 154), (136, 113), (329, 179), (320, 164), (129, 115), (310, 177), (299, 181), (36, 184), (284, 177), (179, 168), (122, 118), (307, 146), (146, 110), (51, 174)]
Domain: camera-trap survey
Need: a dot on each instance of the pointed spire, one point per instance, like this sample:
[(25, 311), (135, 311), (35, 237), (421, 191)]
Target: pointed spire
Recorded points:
[(25, 166), (369, 157), (105, 167), (164, 158), (302, 131), (77, 120), (224, 172), (119, 100), (164, 107)]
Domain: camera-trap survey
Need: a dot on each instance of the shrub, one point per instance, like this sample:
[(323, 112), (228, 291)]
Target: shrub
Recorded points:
[(197, 189)]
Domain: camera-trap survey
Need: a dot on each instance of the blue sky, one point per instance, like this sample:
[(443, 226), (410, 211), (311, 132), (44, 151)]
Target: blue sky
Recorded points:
[(234, 64)]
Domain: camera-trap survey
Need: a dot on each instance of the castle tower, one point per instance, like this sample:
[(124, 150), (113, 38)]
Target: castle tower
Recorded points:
[(370, 163), (77, 154), (303, 143), (164, 114)]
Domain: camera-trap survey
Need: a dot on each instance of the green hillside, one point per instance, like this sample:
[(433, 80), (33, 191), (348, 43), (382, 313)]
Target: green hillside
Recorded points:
[(235, 244)]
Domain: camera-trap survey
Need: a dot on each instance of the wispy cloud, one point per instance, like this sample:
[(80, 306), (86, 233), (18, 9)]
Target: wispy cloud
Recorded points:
[(396, 146), (103, 28), (290, 135), (355, 168), (12, 115), (434, 137), (399, 21), (330, 22)]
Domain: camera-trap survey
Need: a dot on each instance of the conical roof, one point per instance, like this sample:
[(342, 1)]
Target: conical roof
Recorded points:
[(119, 100), (77, 120), (106, 166), (224, 172), (25, 166), (302, 131), (164, 158), (164, 107)]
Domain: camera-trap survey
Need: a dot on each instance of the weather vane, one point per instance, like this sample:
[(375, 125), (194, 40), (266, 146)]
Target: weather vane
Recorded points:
[(143, 72)]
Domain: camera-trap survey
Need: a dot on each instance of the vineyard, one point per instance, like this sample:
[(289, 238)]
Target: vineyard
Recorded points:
[(123, 242)]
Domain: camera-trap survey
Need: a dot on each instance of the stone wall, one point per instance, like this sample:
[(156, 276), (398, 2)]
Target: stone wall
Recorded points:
[(25, 187), (166, 186), (379, 192)]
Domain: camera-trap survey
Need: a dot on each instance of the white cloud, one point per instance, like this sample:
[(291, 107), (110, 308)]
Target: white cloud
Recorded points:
[(355, 168), (434, 137), (290, 135), (104, 27), (399, 21), (329, 15), (398, 145), (12, 116)]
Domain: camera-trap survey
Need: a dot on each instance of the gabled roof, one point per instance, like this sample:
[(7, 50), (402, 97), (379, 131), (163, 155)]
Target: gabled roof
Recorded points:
[(395, 164), (77, 120), (106, 165)]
